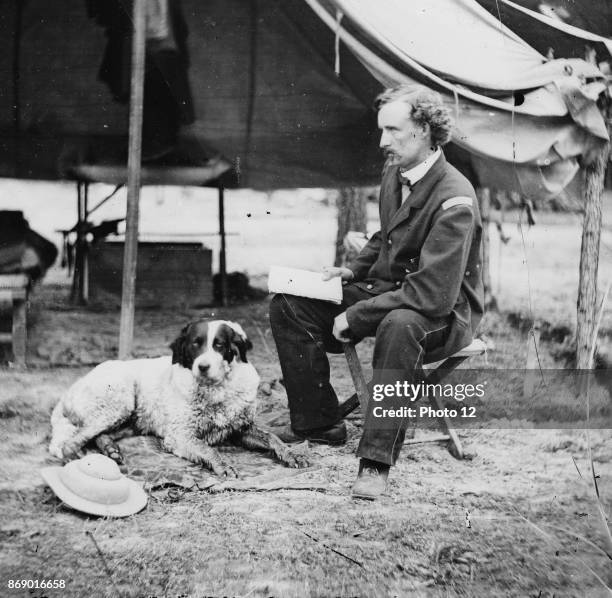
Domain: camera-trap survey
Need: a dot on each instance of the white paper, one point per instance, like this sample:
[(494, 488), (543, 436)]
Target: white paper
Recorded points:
[(304, 283)]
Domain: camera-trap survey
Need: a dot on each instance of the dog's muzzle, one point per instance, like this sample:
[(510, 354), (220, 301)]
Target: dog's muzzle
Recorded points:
[(210, 367)]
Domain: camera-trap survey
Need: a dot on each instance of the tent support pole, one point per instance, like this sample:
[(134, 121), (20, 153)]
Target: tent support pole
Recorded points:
[(79, 293), (75, 293), (222, 260), (84, 297), (128, 290), (589, 254)]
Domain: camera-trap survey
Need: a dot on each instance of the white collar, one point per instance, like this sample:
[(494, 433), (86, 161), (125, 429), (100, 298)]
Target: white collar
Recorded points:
[(416, 173)]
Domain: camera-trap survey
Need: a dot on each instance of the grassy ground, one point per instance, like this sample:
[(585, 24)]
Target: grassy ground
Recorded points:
[(512, 521), (413, 542)]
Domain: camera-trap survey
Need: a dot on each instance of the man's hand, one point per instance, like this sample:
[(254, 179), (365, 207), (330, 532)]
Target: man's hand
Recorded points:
[(333, 271), (341, 329)]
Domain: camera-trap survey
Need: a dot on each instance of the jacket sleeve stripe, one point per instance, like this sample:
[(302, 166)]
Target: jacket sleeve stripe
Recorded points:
[(457, 201)]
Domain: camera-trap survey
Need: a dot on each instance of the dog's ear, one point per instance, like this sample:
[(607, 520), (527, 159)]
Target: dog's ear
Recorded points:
[(242, 343), (179, 346)]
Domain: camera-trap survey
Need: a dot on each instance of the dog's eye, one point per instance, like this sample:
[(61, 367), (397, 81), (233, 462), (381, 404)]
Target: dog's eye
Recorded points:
[(197, 342), (217, 345)]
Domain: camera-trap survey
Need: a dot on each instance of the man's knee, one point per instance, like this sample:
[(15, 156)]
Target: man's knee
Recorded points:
[(400, 323), (281, 309), (276, 309), (286, 307)]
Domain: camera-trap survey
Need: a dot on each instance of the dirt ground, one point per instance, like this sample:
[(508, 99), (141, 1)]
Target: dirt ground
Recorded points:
[(517, 519)]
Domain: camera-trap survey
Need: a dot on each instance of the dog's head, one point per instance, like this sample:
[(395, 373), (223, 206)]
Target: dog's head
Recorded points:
[(208, 348)]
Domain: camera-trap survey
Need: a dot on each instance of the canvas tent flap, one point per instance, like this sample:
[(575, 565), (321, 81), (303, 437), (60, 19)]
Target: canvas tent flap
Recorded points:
[(538, 142), (544, 32), (407, 29), (539, 183), (545, 101)]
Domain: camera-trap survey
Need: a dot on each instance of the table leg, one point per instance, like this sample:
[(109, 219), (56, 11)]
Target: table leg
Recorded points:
[(19, 331)]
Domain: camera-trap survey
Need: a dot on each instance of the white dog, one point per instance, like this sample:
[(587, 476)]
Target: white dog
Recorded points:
[(202, 395)]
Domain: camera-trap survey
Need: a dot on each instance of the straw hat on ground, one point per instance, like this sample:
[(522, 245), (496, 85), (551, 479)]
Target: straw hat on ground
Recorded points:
[(95, 485)]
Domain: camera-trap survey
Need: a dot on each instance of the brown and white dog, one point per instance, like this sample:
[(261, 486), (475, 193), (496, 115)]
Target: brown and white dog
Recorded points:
[(204, 394)]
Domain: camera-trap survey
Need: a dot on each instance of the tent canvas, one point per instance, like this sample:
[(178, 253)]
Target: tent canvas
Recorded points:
[(524, 119), (563, 26), (266, 95)]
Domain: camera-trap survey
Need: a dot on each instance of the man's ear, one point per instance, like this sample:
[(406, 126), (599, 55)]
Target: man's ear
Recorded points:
[(180, 354), (426, 131)]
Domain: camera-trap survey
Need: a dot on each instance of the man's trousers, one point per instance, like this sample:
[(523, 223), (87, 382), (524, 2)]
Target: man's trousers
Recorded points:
[(302, 330)]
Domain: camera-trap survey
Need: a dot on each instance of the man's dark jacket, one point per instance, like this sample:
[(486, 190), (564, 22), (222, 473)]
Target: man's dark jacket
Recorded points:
[(426, 257)]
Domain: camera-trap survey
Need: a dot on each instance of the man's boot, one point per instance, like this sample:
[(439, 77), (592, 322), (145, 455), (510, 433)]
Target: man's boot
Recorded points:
[(334, 435), (371, 480)]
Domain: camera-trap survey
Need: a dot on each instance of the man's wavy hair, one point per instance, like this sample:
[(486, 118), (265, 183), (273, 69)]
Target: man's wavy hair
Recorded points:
[(426, 108)]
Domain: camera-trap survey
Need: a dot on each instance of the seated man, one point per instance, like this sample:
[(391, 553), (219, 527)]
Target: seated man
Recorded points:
[(416, 286)]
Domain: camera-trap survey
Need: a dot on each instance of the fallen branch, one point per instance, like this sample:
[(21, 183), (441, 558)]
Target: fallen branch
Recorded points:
[(249, 487), (266, 483), (104, 563), (348, 558)]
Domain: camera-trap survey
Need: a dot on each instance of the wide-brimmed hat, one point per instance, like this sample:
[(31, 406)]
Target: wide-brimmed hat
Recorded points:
[(95, 485)]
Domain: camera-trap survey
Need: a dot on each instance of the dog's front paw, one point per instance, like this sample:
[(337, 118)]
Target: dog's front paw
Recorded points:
[(224, 470), (109, 447), (292, 457)]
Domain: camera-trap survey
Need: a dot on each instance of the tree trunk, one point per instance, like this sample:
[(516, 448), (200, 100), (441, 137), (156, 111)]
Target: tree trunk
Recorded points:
[(589, 259), (352, 215)]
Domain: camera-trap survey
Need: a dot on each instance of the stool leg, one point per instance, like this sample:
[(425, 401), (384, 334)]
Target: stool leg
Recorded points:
[(357, 375), (19, 331), (454, 444)]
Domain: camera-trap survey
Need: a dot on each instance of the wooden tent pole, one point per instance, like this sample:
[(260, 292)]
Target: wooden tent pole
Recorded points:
[(75, 293), (222, 249), (128, 291), (84, 298), (589, 254)]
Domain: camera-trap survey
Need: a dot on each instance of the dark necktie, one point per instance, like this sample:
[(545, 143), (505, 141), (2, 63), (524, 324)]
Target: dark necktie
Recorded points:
[(404, 181)]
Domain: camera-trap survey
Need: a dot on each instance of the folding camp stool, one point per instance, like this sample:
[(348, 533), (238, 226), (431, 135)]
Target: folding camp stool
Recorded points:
[(439, 371), (13, 299)]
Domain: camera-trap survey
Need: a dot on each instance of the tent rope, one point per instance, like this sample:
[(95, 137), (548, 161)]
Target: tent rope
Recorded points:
[(532, 331)]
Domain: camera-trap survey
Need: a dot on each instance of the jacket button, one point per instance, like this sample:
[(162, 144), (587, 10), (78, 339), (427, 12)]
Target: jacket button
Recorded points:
[(407, 270), (370, 286), (467, 273), (398, 283), (389, 241)]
